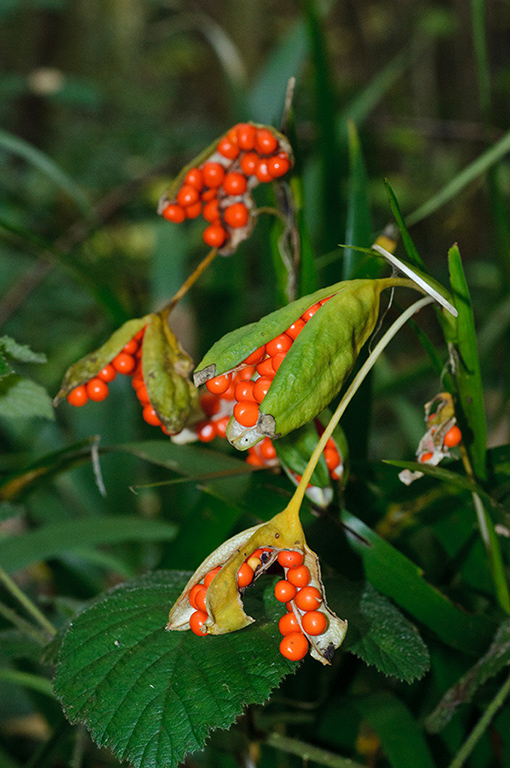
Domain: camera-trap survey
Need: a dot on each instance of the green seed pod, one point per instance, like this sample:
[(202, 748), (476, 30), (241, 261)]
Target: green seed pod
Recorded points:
[(90, 365), (166, 368), (316, 365)]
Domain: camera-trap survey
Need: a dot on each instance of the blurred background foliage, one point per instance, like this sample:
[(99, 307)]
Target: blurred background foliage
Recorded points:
[(101, 103)]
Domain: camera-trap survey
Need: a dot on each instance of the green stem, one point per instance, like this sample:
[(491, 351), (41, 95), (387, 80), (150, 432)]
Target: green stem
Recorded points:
[(351, 391), (25, 601), (23, 625), (27, 680), (481, 726), (491, 543), (309, 752)]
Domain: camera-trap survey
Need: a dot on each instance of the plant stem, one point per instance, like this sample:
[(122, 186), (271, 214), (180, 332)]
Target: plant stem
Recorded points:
[(351, 391), (27, 680), (309, 752), (190, 281), (23, 625), (25, 601), (481, 726)]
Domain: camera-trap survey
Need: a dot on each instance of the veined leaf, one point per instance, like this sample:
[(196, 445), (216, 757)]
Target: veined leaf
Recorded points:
[(153, 696)]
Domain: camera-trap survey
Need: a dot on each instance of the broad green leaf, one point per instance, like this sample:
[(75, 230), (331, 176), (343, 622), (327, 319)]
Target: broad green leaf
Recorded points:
[(378, 632), (43, 163), (20, 352), (153, 696), (467, 374), (404, 744), (51, 540), (394, 575), (496, 659), (412, 254), (24, 398)]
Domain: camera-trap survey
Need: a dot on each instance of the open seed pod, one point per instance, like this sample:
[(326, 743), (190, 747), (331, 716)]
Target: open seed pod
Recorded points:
[(335, 323), (224, 608)]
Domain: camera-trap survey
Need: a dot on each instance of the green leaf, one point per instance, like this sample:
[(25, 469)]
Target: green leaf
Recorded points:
[(358, 228), (404, 745), (24, 398), (5, 368), (496, 659), (51, 540), (43, 163), (394, 575), (378, 632), (467, 374), (20, 352), (412, 254), (153, 696)]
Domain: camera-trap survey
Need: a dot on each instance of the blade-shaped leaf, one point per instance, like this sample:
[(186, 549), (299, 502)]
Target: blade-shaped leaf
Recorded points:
[(413, 256), (153, 696)]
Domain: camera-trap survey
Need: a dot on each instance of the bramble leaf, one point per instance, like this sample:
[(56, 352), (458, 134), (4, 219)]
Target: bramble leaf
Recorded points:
[(153, 696)]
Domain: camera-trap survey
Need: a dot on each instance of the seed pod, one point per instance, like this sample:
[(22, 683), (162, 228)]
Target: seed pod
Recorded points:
[(223, 602), (89, 366), (316, 365)]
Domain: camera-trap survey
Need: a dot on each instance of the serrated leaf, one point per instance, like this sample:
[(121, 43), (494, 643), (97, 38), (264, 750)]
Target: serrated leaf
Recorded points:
[(24, 398), (378, 632), (153, 696), (56, 538), (496, 658), (20, 352)]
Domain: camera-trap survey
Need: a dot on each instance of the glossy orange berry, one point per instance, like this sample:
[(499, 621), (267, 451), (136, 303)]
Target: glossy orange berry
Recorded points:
[(193, 211), (265, 368), (323, 301), (284, 591), (221, 425), (208, 194), (108, 373), (299, 576), (290, 559), (97, 390), (267, 449), (426, 456), (211, 211), (187, 195), (193, 593), (137, 381), (139, 334), (249, 163), (261, 388), (281, 343), (206, 431), (236, 215), (131, 347), (277, 360), (244, 390), (332, 458), (219, 384), (294, 646), (234, 183), (306, 316), (246, 136), (196, 622), (262, 173), (295, 329), (256, 356), (230, 393), (174, 212), (150, 416), (194, 178), (228, 148), (124, 363), (278, 165), (200, 599), (288, 623), (265, 141), (308, 599), (143, 395), (209, 403), (452, 437), (213, 174), (246, 413), (254, 459), (244, 575), (210, 576), (314, 622), (78, 396), (244, 374), (214, 235)]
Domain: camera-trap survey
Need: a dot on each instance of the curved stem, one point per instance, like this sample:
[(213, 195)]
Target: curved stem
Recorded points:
[(351, 391), (27, 603), (189, 282)]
